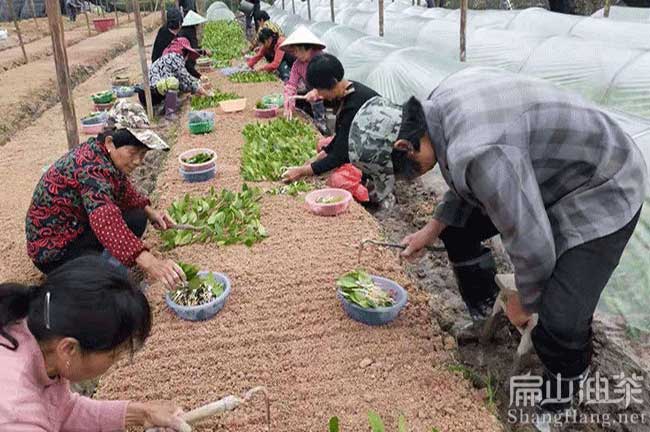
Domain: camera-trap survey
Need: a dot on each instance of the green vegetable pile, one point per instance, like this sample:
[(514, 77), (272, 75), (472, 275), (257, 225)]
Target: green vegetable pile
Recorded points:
[(103, 97), (292, 189), (224, 218), (271, 147), (225, 39), (202, 102), (357, 287), (248, 77), (197, 290), (198, 159), (330, 199)]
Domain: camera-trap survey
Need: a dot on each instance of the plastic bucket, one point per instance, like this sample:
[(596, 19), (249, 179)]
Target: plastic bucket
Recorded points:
[(331, 209), (204, 311), (377, 316), (246, 7), (198, 176), (103, 24)]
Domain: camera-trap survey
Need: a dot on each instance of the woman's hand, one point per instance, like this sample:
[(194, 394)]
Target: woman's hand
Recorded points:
[(516, 312), (296, 173), (162, 270), (416, 242), (160, 220), (161, 415), (313, 96)]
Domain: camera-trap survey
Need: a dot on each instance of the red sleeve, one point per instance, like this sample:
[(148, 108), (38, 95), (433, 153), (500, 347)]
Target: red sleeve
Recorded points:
[(132, 198), (258, 56), (112, 232), (277, 59)]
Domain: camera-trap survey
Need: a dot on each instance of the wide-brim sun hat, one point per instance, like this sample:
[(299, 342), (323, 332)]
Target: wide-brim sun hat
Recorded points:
[(179, 45), (192, 19), (131, 116), (302, 36)]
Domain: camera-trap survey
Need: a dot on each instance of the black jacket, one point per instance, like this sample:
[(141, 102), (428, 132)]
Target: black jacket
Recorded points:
[(163, 39)]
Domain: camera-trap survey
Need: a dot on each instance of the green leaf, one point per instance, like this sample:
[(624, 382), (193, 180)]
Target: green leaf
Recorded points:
[(334, 424), (375, 422), (401, 424)]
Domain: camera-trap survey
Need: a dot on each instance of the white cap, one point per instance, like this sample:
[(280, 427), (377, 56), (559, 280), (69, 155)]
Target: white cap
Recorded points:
[(192, 19), (302, 35)]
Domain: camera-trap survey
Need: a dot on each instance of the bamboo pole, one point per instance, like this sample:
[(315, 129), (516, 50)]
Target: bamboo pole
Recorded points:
[(381, 18), (293, 6), (90, 33), (117, 18), (143, 57), (33, 10), (283, 5), (10, 4), (308, 10), (463, 27), (332, 9), (62, 71), (608, 4)]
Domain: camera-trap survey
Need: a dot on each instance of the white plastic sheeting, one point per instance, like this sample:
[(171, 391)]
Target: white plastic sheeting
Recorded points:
[(615, 76), (619, 13), (218, 11)]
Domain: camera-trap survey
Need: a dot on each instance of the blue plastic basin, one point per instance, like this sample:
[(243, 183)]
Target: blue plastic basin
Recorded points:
[(377, 316), (198, 176), (204, 311)]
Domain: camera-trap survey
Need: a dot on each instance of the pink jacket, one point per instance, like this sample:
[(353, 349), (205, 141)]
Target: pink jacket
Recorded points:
[(30, 401), (297, 80)]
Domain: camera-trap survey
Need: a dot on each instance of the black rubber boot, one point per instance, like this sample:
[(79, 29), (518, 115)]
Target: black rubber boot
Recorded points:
[(475, 279)]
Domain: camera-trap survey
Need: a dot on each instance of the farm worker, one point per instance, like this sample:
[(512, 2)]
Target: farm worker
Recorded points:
[(325, 74), (85, 203), (277, 60), (188, 31), (304, 46), (72, 7), (551, 173), (186, 6), (70, 328), (167, 33), (170, 69), (251, 15), (263, 20)]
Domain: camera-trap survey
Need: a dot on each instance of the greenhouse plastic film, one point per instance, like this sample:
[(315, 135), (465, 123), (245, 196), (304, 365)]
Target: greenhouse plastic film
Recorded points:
[(398, 29), (339, 38), (441, 37), (501, 48), (544, 23), (630, 91), (484, 18), (629, 35), (362, 56), (219, 12), (619, 13), (320, 28), (585, 67)]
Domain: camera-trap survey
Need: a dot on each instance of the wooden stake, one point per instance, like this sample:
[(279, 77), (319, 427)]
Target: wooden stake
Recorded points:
[(163, 18), (606, 10), (308, 10), (381, 18), (62, 71), (293, 6), (90, 33), (33, 10), (117, 18), (143, 57), (463, 27), (10, 4), (332, 9), (282, 4)]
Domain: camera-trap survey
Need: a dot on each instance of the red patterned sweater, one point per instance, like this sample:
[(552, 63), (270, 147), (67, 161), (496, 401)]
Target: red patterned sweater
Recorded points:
[(83, 190)]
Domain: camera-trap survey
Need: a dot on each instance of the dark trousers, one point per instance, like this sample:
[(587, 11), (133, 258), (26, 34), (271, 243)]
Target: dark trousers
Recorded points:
[(156, 98), (562, 337), (88, 244)]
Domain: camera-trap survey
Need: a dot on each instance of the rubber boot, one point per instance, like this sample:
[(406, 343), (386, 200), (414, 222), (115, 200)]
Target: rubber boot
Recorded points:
[(171, 104), (475, 279)]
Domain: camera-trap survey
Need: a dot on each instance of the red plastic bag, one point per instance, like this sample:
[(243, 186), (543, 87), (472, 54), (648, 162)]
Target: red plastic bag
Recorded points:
[(348, 177)]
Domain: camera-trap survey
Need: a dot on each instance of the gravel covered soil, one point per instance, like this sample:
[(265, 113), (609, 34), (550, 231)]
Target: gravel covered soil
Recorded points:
[(283, 327)]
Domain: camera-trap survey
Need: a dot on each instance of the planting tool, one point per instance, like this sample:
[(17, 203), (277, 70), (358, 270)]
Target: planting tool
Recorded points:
[(185, 227), (227, 403), (364, 242), (295, 97)]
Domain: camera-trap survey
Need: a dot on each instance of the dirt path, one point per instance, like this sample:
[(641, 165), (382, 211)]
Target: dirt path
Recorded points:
[(41, 47), (30, 89), (284, 328), (22, 160), (30, 33)]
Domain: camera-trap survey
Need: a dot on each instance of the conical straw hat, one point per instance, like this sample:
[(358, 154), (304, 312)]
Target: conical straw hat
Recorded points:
[(300, 36), (192, 19)]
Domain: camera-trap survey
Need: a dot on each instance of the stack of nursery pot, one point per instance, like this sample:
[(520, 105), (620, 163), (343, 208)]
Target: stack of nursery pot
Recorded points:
[(197, 165)]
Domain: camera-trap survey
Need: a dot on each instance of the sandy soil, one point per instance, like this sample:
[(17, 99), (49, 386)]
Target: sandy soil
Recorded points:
[(30, 33), (40, 43), (283, 327), (33, 86)]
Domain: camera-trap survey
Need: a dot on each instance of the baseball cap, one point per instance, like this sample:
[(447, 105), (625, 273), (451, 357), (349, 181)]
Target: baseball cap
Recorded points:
[(132, 117)]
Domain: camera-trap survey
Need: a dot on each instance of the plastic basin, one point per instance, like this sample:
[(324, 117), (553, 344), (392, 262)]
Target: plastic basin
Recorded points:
[(104, 106), (98, 119), (189, 168), (103, 24), (123, 91), (234, 105), (377, 316), (198, 176), (266, 113), (204, 311), (92, 129), (331, 209)]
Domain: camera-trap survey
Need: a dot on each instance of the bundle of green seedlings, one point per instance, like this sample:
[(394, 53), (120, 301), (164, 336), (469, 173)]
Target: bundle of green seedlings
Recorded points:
[(376, 423), (330, 199), (247, 77), (292, 189), (358, 287), (198, 158), (271, 147), (198, 289), (103, 97), (224, 218), (225, 39), (202, 102)]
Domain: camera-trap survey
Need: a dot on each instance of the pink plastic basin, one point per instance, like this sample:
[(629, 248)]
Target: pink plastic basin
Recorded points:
[(266, 113), (197, 167), (103, 24), (332, 209), (93, 129)]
